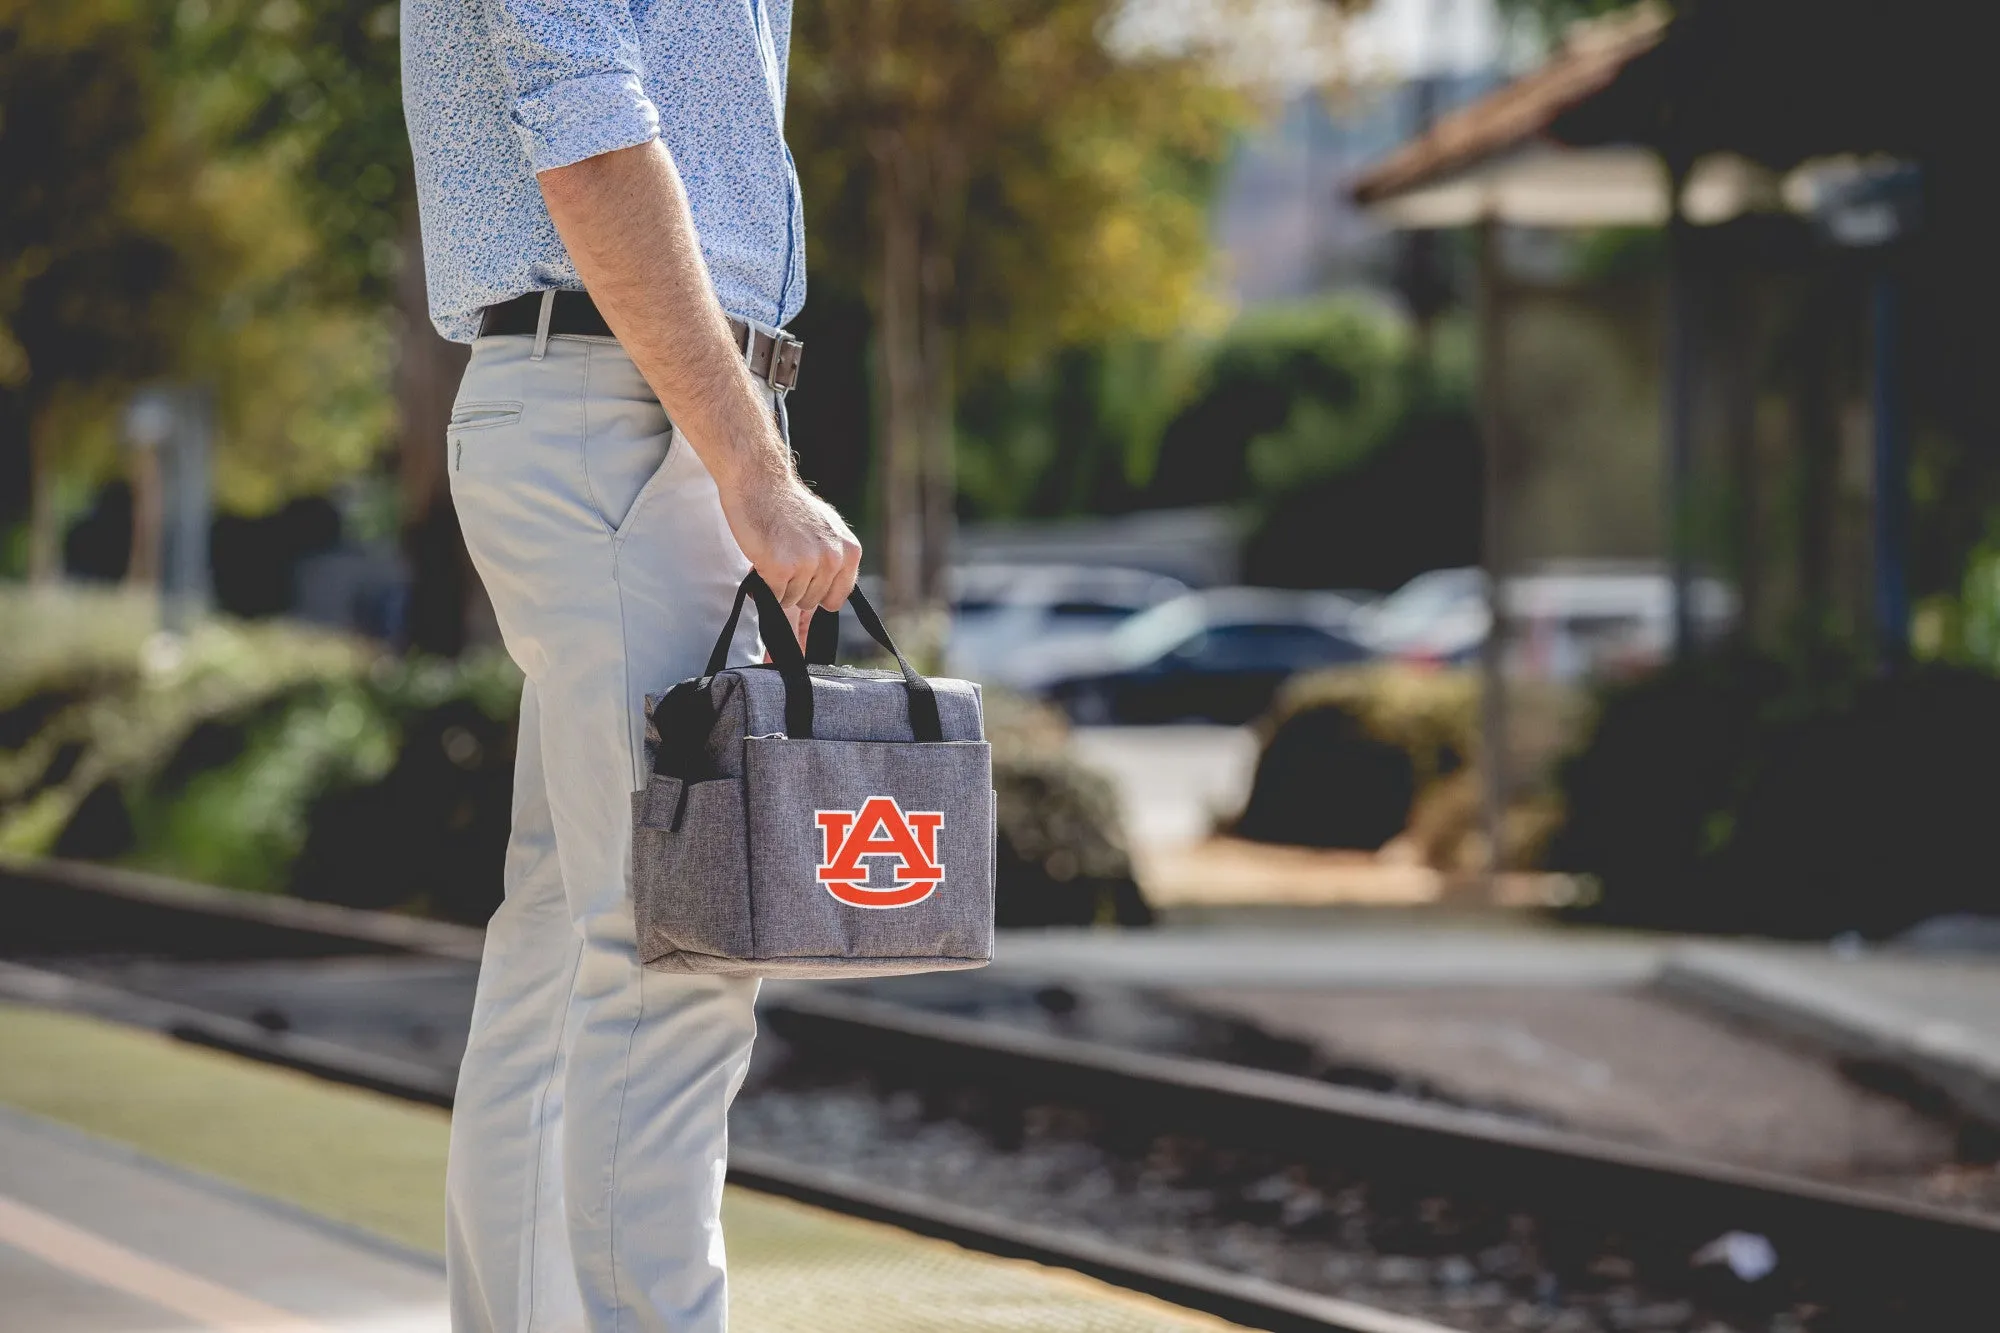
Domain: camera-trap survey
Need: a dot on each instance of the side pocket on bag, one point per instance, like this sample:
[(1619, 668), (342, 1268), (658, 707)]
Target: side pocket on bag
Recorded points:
[(690, 877)]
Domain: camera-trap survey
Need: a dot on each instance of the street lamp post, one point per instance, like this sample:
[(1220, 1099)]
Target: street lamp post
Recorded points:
[(168, 428)]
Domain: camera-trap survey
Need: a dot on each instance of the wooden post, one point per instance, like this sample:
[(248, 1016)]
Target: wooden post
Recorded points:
[(899, 364), (1892, 481), (142, 572), (1817, 449), (1494, 758), (1677, 412), (1738, 388)]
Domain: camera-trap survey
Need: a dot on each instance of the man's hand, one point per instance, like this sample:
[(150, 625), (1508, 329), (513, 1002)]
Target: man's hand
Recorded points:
[(624, 218), (797, 541)]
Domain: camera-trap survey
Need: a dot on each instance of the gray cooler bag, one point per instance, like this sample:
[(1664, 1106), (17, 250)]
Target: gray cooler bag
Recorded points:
[(810, 820)]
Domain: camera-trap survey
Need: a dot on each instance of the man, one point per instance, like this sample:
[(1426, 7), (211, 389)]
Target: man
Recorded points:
[(610, 216)]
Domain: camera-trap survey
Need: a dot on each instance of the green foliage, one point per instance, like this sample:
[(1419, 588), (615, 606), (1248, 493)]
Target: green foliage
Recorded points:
[(1354, 755), (1548, 19), (1061, 853), (95, 694), (316, 82), (90, 264), (242, 823), (157, 225), (1430, 715), (216, 745), (1068, 185), (1349, 367), (1074, 432), (1292, 393), (1284, 396), (270, 757), (1740, 796)]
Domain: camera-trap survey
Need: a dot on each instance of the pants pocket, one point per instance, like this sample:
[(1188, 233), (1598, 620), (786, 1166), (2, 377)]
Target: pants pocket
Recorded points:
[(469, 418), (480, 416), (654, 481)]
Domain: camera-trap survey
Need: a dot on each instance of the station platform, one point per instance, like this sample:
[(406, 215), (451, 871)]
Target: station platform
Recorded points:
[(1931, 1015), (147, 1186)]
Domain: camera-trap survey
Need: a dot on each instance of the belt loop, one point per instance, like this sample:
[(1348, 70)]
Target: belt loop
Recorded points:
[(542, 325)]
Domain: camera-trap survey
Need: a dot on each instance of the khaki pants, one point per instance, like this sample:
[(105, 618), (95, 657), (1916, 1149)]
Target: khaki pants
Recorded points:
[(589, 1138)]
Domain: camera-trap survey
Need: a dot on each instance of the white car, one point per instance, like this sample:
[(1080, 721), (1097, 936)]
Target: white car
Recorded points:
[(1569, 622), (1004, 614)]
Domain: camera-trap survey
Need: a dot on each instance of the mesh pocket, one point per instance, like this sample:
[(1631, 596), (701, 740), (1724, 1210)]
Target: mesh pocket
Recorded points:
[(690, 880)]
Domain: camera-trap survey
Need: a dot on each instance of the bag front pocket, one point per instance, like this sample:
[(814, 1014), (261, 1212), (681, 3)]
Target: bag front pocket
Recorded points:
[(690, 882), (870, 850)]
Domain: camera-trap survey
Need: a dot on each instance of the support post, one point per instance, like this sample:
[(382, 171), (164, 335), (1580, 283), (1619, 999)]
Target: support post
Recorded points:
[(1677, 413), (1892, 480), (186, 510), (1493, 729), (1738, 389), (1817, 446)]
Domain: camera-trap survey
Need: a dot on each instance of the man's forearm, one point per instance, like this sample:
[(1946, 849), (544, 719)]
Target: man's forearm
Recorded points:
[(624, 218)]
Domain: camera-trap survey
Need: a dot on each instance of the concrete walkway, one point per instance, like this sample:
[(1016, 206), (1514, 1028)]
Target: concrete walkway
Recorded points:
[(98, 1239), (1935, 1018), (1335, 952)]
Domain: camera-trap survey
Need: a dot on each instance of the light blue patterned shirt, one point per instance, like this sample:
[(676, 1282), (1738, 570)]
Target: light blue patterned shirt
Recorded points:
[(497, 90)]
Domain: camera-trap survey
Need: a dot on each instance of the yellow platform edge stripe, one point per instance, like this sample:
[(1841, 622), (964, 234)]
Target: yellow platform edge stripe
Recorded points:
[(377, 1163)]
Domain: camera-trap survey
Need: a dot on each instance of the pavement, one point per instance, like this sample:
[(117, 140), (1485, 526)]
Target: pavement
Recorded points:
[(1936, 1019), (148, 1186), (1174, 783), (97, 1238), (1932, 1019), (1337, 950)]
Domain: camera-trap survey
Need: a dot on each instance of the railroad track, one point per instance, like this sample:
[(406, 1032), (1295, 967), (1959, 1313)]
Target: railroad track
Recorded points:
[(1837, 1240), (1834, 1228), (72, 908)]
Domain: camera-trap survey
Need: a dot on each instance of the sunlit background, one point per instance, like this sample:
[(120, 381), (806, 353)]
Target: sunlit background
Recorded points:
[(1476, 520)]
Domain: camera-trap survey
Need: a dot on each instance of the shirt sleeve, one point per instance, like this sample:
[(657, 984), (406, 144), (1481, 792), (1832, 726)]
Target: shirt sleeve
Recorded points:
[(574, 77)]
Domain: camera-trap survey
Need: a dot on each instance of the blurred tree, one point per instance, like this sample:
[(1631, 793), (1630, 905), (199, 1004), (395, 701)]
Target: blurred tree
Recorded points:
[(85, 267), (138, 240), (996, 181), (1076, 431), (320, 81), (1548, 18)]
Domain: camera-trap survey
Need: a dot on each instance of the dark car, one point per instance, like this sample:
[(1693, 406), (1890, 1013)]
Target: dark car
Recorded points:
[(1216, 656)]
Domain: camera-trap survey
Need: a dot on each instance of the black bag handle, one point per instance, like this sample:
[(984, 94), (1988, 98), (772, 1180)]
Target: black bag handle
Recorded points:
[(783, 646), (924, 724), (823, 638)]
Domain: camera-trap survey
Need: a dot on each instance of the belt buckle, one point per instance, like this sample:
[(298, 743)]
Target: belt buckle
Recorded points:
[(779, 341)]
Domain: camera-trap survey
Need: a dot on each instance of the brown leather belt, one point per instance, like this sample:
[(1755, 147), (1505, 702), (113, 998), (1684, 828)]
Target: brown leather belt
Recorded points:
[(773, 357)]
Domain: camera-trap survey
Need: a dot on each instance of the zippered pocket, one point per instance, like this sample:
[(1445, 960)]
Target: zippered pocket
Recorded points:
[(480, 416), (477, 416)]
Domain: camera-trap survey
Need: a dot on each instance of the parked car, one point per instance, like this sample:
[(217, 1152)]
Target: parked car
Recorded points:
[(1569, 622), (1439, 616), (1001, 612), (1216, 656)]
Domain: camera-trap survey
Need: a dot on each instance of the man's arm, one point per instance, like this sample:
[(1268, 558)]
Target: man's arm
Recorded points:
[(624, 217)]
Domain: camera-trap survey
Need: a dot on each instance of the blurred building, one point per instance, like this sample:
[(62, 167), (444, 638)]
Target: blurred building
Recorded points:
[(1284, 217)]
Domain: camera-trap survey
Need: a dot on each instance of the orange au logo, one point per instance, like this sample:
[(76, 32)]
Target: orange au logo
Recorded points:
[(879, 828)]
